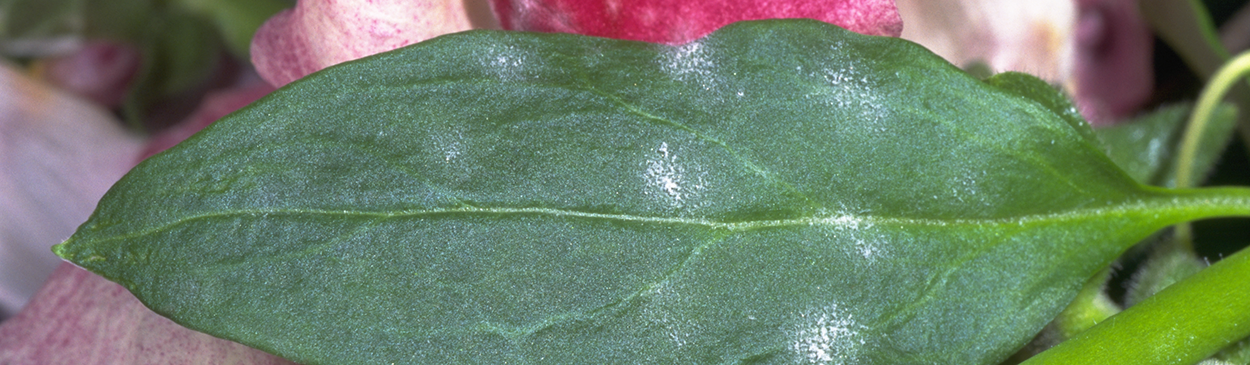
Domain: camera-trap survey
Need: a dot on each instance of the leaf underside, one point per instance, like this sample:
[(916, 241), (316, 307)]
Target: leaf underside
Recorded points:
[(777, 192)]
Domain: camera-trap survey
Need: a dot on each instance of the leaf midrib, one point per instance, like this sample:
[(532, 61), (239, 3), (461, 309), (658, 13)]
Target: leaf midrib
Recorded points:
[(1141, 207)]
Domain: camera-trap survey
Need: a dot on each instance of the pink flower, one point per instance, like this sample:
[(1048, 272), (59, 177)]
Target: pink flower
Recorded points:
[(1099, 51), (678, 22), (99, 71), (58, 155), (1114, 72), (320, 33)]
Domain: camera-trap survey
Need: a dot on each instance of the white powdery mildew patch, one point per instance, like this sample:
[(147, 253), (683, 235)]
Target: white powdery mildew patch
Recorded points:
[(842, 221), (665, 176), (691, 62), (852, 89), (510, 63), (450, 143), (851, 86), (452, 152), (850, 227), (675, 327), (965, 187), (868, 250), (828, 336)]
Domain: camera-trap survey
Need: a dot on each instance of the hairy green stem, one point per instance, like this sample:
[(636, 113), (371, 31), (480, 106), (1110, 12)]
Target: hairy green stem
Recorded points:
[(1090, 307), (1183, 324), (1202, 203)]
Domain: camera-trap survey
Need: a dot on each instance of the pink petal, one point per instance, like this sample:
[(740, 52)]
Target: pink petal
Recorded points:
[(58, 155), (82, 318), (1026, 36), (1114, 72), (678, 22), (320, 33), (1098, 50)]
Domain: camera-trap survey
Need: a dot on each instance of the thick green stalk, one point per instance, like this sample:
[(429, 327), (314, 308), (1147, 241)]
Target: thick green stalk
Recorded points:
[(1183, 324)]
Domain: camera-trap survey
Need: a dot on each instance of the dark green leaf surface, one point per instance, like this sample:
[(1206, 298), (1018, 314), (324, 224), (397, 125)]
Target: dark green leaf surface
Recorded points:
[(778, 192)]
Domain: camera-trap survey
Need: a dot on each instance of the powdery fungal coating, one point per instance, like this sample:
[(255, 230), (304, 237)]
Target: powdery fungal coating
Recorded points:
[(510, 63), (668, 178), (670, 22), (691, 62), (672, 322), (842, 226), (827, 336)]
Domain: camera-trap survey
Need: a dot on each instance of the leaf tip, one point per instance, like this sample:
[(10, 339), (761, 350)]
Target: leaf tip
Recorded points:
[(62, 249)]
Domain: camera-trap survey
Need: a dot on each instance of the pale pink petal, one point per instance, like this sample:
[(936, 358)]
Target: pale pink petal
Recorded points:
[(81, 318), (319, 33), (678, 22), (58, 155), (1033, 36), (1099, 51)]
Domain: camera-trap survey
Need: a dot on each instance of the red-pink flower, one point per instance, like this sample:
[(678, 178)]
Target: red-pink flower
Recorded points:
[(677, 22), (100, 71), (320, 33), (1114, 72)]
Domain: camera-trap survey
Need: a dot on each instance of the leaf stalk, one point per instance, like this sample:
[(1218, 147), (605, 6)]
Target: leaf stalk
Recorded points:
[(1183, 324)]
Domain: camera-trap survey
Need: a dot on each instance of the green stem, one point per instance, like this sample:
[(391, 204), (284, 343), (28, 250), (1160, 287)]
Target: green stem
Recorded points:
[(1187, 27), (1227, 77), (1183, 324), (1185, 205), (1223, 80)]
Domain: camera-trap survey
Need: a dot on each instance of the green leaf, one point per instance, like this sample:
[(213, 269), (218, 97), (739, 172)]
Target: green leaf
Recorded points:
[(237, 19), (1092, 305), (183, 50), (1146, 147), (38, 28), (777, 192), (180, 51), (120, 19), (36, 18)]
